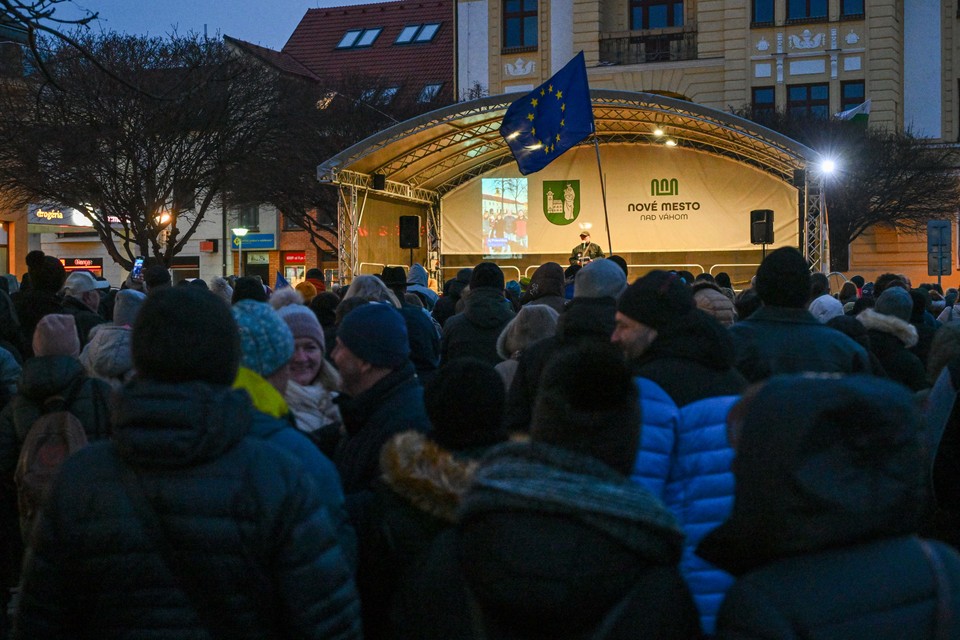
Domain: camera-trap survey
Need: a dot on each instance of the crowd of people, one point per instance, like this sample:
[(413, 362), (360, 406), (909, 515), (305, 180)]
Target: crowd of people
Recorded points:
[(571, 456)]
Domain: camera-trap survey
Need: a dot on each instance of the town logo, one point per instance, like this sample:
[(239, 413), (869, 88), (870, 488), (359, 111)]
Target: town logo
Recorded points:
[(664, 187), (561, 201)]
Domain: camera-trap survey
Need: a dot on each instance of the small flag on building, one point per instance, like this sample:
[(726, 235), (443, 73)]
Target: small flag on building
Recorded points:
[(281, 281), (859, 113), (552, 118)]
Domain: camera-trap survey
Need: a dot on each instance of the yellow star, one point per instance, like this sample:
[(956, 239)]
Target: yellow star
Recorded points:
[(530, 117), (559, 94), (534, 102), (546, 149), (533, 131), (558, 137), (550, 89), (542, 92), (563, 107)]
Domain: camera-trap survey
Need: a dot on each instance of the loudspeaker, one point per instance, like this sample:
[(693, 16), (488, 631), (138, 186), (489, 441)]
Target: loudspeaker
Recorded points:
[(409, 232), (761, 226), (379, 181)]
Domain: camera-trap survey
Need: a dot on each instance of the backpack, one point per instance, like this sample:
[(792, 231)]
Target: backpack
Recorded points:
[(51, 439)]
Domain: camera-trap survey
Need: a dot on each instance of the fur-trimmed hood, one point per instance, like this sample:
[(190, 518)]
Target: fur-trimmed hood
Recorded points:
[(426, 475), (901, 329)]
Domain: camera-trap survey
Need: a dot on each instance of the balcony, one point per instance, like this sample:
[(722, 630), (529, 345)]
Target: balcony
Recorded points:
[(634, 47)]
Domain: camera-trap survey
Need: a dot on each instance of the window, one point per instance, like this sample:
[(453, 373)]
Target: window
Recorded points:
[(806, 9), (290, 224), (248, 217), (429, 92), (417, 33), (852, 94), (763, 102), (388, 94), (655, 14), (812, 100), (851, 9), (520, 24), (357, 38), (762, 11)]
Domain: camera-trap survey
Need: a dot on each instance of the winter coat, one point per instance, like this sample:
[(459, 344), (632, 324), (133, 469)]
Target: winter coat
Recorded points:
[(109, 353), (531, 324), (775, 340), (86, 320), (714, 303), (831, 487), (890, 340), (416, 500), (10, 371), (248, 523), (30, 306), (391, 406), (418, 282), (474, 332), (424, 341), (586, 320), (548, 543)]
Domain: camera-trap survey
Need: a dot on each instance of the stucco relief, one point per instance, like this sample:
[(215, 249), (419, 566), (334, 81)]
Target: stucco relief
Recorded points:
[(807, 40), (520, 67)]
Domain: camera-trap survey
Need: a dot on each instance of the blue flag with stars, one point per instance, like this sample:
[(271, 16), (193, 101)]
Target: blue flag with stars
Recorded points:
[(555, 116)]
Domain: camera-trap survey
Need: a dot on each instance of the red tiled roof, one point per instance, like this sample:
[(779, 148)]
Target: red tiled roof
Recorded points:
[(282, 61), (314, 43)]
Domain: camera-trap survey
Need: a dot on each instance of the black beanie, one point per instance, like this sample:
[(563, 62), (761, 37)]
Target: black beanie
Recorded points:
[(49, 275), (486, 274), (248, 288), (657, 300), (588, 403), (185, 334), (783, 279), (465, 403)]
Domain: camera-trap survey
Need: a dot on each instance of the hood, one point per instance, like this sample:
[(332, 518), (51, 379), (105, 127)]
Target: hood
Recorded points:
[(822, 462), (109, 354), (44, 376), (418, 275), (487, 308), (178, 425), (695, 336), (550, 538), (425, 475), (593, 318), (900, 329)]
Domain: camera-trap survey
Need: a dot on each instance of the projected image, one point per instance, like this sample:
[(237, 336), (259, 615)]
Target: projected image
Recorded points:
[(504, 216)]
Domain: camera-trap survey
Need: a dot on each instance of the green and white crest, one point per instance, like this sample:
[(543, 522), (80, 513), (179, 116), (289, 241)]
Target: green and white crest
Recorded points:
[(561, 201)]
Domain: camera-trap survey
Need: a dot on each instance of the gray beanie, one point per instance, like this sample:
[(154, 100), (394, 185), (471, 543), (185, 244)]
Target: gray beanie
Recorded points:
[(127, 306), (599, 279), (895, 302)]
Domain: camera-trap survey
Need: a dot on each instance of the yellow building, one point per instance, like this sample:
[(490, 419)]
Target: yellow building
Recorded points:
[(815, 56)]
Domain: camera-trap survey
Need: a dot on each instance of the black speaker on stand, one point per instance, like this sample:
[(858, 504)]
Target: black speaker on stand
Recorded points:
[(761, 228), (410, 234)]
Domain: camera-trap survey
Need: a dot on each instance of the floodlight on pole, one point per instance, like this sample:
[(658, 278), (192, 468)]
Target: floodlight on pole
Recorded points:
[(239, 232)]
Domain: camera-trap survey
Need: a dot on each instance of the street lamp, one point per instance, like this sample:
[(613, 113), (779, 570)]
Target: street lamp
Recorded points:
[(239, 232)]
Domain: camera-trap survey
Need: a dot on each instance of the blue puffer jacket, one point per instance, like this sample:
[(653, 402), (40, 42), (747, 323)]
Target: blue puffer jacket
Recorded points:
[(685, 460), (247, 520)]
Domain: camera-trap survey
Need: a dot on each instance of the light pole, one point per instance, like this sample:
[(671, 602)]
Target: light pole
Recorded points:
[(239, 232)]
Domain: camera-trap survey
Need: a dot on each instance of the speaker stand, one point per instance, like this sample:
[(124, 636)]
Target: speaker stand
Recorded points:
[(764, 251), (411, 256)]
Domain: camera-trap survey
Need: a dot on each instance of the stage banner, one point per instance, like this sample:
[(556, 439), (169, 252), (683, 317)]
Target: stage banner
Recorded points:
[(658, 199)]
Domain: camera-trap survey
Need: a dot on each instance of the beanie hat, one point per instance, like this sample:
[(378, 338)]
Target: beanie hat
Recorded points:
[(266, 342), (56, 335), (248, 288), (532, 323), (895, 302), (513, 287), (783, 279), (49, 275), (222, 288), (588, 403), (377, 334), (657, 300), (307, 291), (486, 274), (857, 280), (452, 398), (127, 306), (547, 280), (599, 279), (303, 323), (156, 276), (185, 334)]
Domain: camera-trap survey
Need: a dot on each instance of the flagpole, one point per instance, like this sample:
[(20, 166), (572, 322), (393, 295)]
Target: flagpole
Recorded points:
[(603, 194)]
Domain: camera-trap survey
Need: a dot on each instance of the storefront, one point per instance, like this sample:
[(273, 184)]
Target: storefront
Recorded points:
[(93, 265), (295, 266)]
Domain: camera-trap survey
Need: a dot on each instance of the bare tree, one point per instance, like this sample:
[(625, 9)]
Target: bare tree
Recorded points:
[(890, 178), (142, 158)]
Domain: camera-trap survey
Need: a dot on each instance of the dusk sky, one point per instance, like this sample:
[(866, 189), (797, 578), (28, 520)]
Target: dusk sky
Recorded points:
[(267, 23)]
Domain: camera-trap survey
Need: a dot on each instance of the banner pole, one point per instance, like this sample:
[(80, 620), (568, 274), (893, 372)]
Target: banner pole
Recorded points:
[(603, 194)]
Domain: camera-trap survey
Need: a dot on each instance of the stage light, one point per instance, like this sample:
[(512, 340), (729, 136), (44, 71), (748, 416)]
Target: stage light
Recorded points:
[(670, 142), (658, 132), (828, 166)]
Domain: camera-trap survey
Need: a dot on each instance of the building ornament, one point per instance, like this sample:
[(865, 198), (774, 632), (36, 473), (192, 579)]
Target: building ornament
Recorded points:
[(519, 68), (806, 40)]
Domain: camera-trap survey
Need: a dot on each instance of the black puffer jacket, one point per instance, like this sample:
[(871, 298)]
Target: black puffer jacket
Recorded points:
[(549, 543), (245, 516), (474, 333), (831, 484)]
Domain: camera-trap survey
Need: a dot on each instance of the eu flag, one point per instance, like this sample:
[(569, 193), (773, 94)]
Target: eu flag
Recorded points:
[(552, 118)]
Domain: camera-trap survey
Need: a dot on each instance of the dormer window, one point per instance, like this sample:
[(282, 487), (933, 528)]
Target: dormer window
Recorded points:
[(417, 33)]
